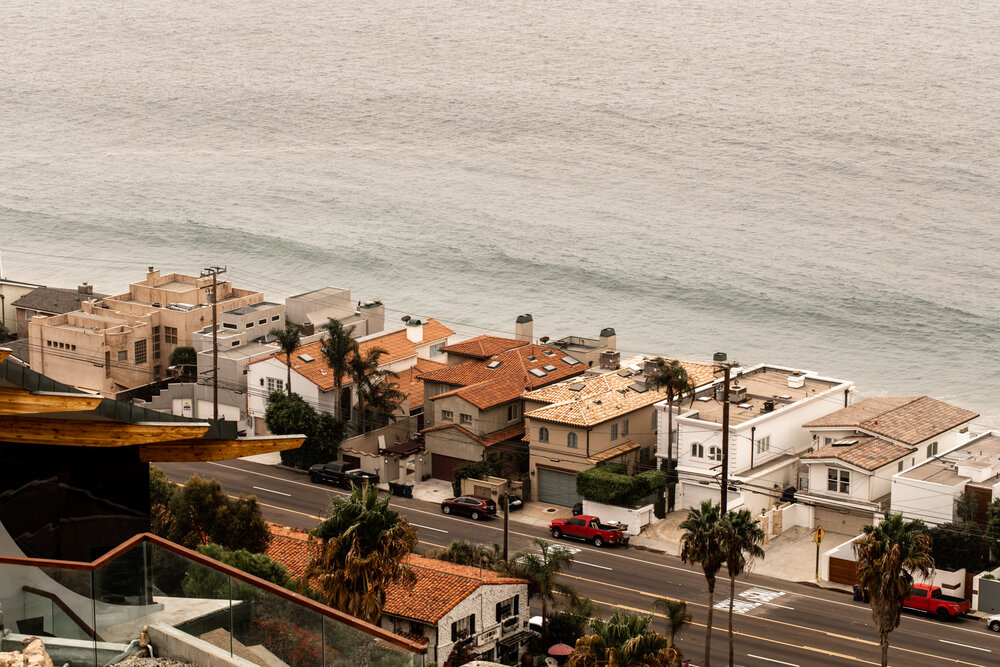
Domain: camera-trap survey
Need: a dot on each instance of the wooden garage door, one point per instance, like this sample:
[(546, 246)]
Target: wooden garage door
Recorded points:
[(843, 571), (352, 461), (443, 467), (558, 488)]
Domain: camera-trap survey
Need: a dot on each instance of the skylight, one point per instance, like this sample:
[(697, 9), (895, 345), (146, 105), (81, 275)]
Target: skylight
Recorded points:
[(538, 372), (576, 387), (494, 364), (639, 387), (531, 358), (550, 368), (306, 358), (625, 373), (570, 361), (704, 399)]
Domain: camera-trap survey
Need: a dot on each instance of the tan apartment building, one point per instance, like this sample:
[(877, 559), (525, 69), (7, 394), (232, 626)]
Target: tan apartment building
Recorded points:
[(124, 341), (577, 424)]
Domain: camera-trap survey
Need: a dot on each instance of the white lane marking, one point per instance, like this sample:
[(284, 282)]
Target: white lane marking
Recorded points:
[(975, 648), (760, 657), (806, 596), (603, 567), (280, 493), (428, 527)]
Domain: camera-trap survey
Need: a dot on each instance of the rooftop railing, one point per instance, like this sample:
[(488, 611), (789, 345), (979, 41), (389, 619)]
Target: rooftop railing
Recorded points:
[(87, 613)]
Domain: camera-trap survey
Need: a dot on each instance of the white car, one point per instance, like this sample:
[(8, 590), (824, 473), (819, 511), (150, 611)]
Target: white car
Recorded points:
[(993, 622)]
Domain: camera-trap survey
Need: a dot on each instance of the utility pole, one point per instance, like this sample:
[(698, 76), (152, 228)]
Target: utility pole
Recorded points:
[(214, 271), (506, 520), (726, 367)]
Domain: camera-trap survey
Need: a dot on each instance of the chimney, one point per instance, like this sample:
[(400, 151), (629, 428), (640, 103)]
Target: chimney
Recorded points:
[(85, 289), (373, 313), (524, 328), (152, 274), (608, 339), (414, 330), (610, 360)]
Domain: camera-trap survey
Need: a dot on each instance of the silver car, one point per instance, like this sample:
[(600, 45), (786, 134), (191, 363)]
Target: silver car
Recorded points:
[(993, 622)]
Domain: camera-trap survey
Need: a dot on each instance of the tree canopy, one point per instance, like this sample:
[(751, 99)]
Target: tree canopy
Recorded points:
[(289, 414)]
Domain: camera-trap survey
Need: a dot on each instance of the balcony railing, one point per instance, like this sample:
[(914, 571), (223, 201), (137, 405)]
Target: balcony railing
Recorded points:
[(87, 613)]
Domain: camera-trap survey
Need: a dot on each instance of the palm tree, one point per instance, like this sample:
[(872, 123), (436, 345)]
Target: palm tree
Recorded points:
[(702, 543), (363, 545), (288, 340), (383, 400), (673, 378), (363, 369), (540, 568), (463, 552), (622, 641), (337, 349), (674, 614), (741, 540), (888, 555)]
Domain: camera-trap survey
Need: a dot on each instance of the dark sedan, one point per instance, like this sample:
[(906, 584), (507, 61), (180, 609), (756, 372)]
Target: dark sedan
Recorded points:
[(469, 506)]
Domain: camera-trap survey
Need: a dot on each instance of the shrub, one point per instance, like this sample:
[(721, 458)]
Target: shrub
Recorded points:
[(604, 484), (475, 470)]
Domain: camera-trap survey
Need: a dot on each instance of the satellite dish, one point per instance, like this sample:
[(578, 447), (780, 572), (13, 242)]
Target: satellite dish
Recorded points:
[(405, 318)]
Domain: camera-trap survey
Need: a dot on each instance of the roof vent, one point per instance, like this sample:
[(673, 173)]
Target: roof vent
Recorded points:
[(531, 358), (768, 406), (796, 381), (306, 358), (549, 352), (704, 399)]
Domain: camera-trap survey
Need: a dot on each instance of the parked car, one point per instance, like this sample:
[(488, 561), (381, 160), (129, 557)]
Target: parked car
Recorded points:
[(469, 506), (340, 474), (588, 529), (993, 622), (930, 599)]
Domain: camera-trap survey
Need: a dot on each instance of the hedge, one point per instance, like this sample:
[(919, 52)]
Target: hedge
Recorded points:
[(609, 485)]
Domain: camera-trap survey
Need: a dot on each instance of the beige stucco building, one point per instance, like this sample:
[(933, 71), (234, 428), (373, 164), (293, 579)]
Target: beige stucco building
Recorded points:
[(124, 341)]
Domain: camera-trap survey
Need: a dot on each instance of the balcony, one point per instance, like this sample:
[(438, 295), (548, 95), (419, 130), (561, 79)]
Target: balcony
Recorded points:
[(87, 613)]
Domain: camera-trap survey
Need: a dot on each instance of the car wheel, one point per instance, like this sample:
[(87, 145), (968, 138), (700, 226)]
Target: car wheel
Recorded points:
[(942, 614), (556, 533), (314, 478), (995, 626), (598, 542), (475, 516), (446, 509)]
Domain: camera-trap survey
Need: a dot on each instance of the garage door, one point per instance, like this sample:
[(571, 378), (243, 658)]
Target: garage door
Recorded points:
[(558, 488), (443, 467)]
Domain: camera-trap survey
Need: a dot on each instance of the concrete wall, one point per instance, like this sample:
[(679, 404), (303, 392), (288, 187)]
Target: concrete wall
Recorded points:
[(482, 603), (400, 431), (844, 551), (951, 583)]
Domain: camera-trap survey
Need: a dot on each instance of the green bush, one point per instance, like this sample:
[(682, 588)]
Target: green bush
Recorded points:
[(605, 484), (475, 470)]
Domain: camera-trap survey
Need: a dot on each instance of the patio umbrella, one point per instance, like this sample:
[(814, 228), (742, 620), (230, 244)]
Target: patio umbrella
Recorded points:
[(560, 649)]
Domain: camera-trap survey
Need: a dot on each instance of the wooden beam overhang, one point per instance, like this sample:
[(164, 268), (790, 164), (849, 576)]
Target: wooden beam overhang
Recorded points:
[(82, 433), (16, 401), (4, 353), (191, 451)]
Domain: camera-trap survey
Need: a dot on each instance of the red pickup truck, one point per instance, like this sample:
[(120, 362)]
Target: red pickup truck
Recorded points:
[(589, 529), (933, 601)]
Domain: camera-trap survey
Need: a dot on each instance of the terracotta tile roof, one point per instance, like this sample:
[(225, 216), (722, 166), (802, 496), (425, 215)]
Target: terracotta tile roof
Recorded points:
[(487, 440), (413, 386), (612, 397), (292, 548), (618, 450), (483, 347), (510, 364), (907, 419), (490, 393), (396, 344), (870, 453)]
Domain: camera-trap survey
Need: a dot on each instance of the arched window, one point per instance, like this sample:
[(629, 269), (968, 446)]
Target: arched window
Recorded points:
[(715, 453), (697, 450), (571, 441), (543, 434)]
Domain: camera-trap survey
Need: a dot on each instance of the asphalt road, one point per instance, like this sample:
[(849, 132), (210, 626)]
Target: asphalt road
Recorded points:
[(777, 622)]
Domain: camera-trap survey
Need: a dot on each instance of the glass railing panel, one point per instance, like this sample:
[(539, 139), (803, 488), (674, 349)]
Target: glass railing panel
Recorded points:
[(191, 597), (122, 596), (345, 646), (269, 627)]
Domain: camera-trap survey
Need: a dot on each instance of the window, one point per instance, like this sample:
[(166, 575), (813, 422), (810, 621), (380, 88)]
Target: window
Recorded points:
[(932, 449), (28, 314), (157, 372), (714, 453), (228, 325), (575, 522), (107, 364), (275, 318), (571, 441), (465, 419), (827, 441), (49, 343), (72, 347), (435, 350), (156, 342), (463, 628), (249, 325), (274, 384), (543, 434), (122, 355), (643, 454), (170, 335), (838, 481), (513, 412), (624, 427), (614, 431), (900, 467), (763, 444), (508, 608), (263, 321), (652, 421), (697, 450), (447, 415), (140, 352)]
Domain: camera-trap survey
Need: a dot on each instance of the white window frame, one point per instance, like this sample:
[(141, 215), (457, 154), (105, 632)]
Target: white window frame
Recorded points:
[(697, 450), (464, 419), (763, 445), (715, 453), (932, 449), (838, 478), (275, 384)]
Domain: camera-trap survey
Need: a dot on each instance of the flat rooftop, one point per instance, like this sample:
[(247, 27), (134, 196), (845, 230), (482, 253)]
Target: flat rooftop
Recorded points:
[(250, 308), (177, 286), (762, 384), (983, 452)]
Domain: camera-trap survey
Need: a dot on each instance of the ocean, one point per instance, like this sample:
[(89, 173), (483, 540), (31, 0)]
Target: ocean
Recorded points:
[(810, 184)]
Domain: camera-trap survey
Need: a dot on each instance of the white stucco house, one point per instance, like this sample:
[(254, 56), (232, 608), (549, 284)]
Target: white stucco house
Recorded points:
[(451, 602), (857, 450), (928, 491), (313, 379), (767, 407)]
